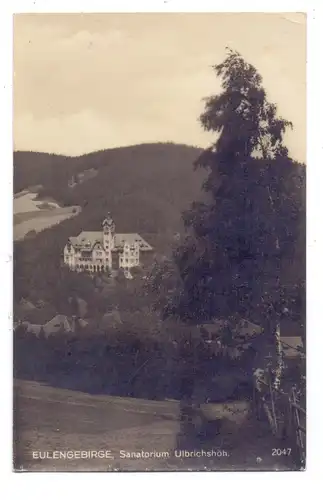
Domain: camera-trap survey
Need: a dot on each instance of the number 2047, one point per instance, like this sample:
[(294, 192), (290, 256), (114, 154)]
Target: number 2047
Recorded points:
[(281, 451)]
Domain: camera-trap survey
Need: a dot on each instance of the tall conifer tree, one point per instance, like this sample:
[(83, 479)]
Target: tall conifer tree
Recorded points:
[(243, 236)]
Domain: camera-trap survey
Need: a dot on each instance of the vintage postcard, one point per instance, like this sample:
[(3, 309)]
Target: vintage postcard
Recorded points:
[(159, 242)]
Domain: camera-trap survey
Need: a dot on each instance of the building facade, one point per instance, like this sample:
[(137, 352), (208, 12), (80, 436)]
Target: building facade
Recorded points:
[(99, 251)]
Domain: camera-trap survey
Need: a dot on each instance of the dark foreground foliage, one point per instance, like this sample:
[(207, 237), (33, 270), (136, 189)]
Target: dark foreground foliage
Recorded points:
[(126, 364)]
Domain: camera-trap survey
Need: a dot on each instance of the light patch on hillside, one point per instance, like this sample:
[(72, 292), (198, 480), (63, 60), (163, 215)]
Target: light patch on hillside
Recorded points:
[(25, 202), (31, 215), (43, 219)]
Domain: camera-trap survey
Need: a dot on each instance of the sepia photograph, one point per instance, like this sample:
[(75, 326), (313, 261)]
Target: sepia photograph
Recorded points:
[(159, 242)]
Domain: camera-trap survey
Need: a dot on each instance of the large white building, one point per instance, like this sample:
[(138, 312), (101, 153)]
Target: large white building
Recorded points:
[(99, 251)]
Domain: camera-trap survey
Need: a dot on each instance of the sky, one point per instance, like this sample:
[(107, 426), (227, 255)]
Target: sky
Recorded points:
[(95, 81)]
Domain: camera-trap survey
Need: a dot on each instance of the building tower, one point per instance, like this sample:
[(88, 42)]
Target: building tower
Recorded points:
[(108, 226)]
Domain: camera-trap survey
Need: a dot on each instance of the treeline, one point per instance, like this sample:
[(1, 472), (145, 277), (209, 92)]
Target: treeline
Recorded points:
[(126, 363), (131, 182)]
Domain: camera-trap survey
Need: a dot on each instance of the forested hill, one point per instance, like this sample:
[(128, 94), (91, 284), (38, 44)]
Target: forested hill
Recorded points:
[(145, 187)]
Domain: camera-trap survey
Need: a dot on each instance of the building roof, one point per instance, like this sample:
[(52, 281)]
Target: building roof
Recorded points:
[(35, 329), (291, 328), (86, 240), (212, 328), (292, 346), (132, 238), (60, 321), (26, 305), (82, 322), (38, 315)]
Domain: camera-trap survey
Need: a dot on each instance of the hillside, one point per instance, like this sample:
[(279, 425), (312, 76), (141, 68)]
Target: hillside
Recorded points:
[(145, 187), (146, 169)]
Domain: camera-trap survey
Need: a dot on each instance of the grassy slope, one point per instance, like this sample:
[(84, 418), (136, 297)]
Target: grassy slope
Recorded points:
[(50, 419)]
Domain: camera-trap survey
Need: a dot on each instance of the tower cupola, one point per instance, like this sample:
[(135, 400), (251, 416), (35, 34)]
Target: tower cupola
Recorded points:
[(108, 225)]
